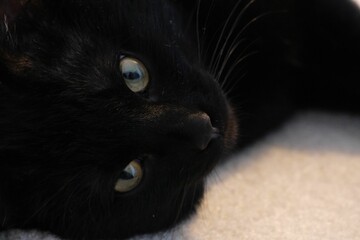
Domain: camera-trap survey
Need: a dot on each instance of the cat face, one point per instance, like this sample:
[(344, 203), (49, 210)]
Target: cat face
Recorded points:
[(108, 122)]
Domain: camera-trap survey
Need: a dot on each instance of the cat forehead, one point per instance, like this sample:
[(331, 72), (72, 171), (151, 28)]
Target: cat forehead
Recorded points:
[(115, 13), (136, 25), (155, 21), (118, 16), (90, 36)]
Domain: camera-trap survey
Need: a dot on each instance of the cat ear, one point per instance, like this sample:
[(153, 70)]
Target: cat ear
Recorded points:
[(10, 9)]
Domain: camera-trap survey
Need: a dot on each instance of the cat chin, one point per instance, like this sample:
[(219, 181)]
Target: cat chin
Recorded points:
[(183, 208), (168, 212)]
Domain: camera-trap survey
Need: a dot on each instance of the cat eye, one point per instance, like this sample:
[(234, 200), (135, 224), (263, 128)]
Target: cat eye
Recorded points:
[(134, 74), (130, 177)]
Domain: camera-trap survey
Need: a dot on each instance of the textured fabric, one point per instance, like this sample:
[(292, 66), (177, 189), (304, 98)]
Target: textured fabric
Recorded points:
[(301, 182)]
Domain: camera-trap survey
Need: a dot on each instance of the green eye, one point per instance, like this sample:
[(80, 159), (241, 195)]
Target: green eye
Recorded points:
[(134, 74), (130, 177)]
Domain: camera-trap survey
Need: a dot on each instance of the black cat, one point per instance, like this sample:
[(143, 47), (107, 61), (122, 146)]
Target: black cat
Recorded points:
[(113, 112), (108, 123)]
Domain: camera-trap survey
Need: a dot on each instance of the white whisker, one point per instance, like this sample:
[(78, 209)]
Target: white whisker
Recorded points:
[(240, 60), (222, 34), (227, 57), (233, 27), (230, 88), (240, 56), (6, 24)]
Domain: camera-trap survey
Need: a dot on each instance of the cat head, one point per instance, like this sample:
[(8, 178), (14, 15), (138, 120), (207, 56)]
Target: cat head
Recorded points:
[(109, 123)]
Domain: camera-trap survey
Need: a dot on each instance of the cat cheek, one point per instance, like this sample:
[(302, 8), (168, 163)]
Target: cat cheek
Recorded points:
[(17, 65)]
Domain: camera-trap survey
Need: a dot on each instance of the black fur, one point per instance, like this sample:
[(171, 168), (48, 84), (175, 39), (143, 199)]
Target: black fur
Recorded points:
[(69, 124)]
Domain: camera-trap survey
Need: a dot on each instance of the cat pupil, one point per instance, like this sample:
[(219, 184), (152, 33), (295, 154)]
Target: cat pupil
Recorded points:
[(126, 175), (132, 75)]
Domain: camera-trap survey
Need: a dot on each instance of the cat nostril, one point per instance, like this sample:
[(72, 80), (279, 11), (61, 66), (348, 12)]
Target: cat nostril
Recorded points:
[(201, 130)]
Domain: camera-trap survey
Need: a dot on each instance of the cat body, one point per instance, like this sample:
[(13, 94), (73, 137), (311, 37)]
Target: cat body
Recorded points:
[(76, 126)]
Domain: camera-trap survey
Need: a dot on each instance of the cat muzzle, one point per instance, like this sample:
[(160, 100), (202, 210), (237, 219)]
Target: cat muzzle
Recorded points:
[(200, 130)]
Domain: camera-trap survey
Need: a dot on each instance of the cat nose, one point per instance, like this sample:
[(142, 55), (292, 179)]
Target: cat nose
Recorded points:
[(200, 130)]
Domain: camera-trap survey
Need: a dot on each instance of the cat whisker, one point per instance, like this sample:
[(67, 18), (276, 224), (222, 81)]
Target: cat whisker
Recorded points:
[(232, 68), (230, 53), (209, 50), (68, 202), (215, 176), (4, 220), (230, 71), (90, 198), (183, 193), (6, 24), (230, 88), (232, 29), (215, 51), (235, 42), (252, 21), (7, 31), (234, 45), (218, 76), (179, 210), (193, 196), (47, 202), (51, 198)]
